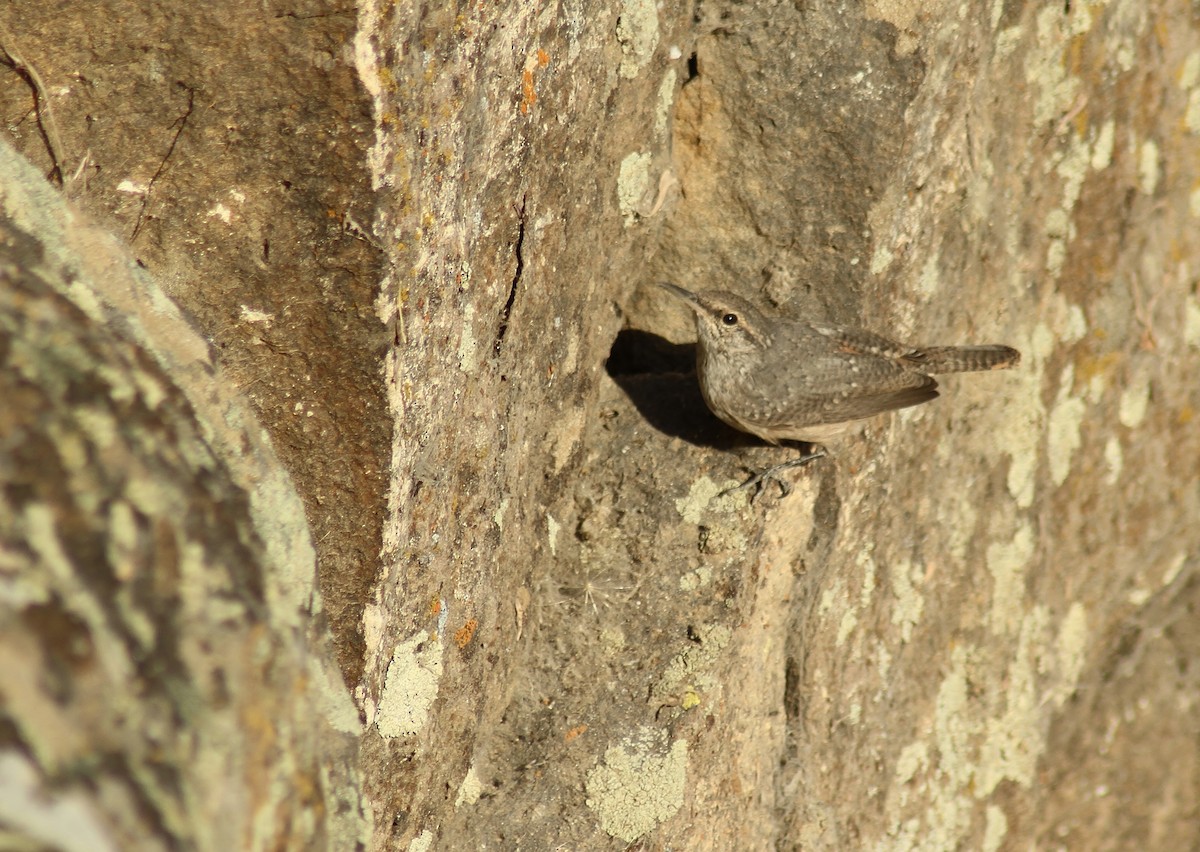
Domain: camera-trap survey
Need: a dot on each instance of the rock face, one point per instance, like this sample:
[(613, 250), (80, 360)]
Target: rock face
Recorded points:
[(167, 675), (413, 242)]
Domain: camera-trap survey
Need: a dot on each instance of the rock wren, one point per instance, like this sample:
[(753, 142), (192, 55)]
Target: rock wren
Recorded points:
[(794, 379)]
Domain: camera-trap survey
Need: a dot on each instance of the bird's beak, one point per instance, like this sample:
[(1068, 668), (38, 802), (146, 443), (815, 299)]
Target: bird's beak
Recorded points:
[(686, 296)]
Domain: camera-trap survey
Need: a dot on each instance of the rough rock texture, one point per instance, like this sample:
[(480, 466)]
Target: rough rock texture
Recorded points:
[(167, 677), (225, 143), (970, 627)]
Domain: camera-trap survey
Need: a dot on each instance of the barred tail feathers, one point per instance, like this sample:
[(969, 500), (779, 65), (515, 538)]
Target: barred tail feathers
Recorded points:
[(964, 359)]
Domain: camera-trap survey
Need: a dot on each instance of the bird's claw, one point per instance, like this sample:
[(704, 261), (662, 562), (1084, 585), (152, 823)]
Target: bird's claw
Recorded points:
[(785, 487)]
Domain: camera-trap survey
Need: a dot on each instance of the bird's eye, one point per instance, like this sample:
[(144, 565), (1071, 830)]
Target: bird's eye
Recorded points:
[(729, 319)]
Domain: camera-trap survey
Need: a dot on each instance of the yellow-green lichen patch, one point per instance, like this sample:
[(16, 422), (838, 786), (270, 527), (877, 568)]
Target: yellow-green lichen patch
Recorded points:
[(1008, 561), (639, 784), (422, 842), (1070, 650), (1149, 168), (468, 347), (910, 603), (1191, 324), (1134, 402), (633, 184), (637, 31), (1063, 427), (410, 688), (994, 829), (552, 529), (469, 790), (1025, 410), (666, 99), (697, 579), (705, 493), (39, 818), (1114, 458), (691, 667), (978, 742)]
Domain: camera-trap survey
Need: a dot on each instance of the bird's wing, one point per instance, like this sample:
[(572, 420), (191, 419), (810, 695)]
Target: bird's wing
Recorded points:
[(830, 390), (845, 407)]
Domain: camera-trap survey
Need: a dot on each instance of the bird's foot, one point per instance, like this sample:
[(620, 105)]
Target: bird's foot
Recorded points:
[(785, 489)]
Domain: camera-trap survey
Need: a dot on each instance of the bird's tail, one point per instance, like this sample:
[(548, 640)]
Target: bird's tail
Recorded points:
[(964, 359)]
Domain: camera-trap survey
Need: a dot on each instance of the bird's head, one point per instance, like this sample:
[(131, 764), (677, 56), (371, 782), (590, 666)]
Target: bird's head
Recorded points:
[(726, 323)]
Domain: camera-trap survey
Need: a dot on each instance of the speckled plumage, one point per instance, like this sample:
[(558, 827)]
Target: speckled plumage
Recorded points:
[(792, 379)]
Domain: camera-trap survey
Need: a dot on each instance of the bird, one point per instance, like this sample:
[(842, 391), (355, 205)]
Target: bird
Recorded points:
[(785, 378)]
